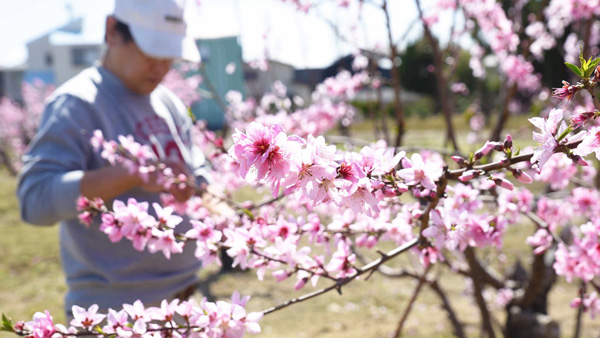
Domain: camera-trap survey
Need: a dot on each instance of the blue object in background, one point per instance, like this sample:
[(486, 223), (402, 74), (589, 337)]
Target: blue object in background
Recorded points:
[(216, 55)]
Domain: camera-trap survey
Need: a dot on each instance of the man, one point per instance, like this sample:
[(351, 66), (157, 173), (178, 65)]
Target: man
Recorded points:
[(121, 96)]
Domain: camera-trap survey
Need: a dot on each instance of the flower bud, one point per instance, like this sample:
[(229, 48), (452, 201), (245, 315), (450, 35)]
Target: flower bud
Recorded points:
[(460, 161), (469, 175), (85, 218), (377, 184), (416, 192), (401, 187), (581, 119), (281, 275), (487, 147), (522, 176), (300, 283), (566, 92), (82, 203), (579, 160), (503, 183), (388, 192), (498, 146), (508, 142), (96, 203), (19, 326)]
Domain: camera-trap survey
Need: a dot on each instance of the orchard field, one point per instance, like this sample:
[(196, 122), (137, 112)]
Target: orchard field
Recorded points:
[(443, 180), (32, 279)]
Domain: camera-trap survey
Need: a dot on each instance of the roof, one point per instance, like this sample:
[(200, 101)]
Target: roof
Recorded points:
[(80, 32)]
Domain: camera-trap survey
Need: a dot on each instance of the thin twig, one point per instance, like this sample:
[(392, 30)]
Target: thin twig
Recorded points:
[(441, 81), (455, 174), (487, 274), (542, 224), (441, 189), (580, 311), (456, 324), (596, 102), (211, 87), (397, 85), (343, 281), (413, 298)]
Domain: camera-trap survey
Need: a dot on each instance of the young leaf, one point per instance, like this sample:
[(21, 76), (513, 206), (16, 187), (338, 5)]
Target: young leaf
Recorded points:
[(6, 324), (565, 133), (574, 69), (191, 115), (591, 67), (248, 213)]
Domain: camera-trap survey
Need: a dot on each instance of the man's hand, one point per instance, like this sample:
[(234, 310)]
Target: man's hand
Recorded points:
[(110, 182), (181, 190)]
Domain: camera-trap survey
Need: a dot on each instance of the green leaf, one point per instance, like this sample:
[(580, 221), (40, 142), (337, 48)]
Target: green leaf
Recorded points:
[(6, 324), (581, 59), (248, 213), (574, 69), (591, 67), (517, 152), (191, 114), (565, 133)]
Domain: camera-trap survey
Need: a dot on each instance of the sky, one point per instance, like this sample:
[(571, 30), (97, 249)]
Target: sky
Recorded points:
[(272, 26)]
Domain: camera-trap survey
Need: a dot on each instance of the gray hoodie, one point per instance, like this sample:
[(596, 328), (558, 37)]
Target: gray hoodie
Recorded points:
[(97, 270)]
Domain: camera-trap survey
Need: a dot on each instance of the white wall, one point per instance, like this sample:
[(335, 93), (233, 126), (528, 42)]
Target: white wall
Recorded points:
[(64, 66), (38, 51)]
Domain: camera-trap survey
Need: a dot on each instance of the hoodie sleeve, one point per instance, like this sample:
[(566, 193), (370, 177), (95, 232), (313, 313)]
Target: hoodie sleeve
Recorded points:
[(49, 182)]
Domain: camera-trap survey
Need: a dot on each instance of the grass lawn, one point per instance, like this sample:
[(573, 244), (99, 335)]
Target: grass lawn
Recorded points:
[(32, 281)]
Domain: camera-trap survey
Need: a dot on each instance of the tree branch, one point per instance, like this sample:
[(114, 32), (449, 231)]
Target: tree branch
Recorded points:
[(478, 293), (579, 311), (343, 281), (441, 80), (456, 324), (455, 174), (538, 269), (422, 280), (398, 105)]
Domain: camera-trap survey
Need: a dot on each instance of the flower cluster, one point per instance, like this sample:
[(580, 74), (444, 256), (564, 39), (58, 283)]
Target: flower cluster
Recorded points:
[(20, 122), (176, 318), (182, 85), (137, 158), (314, 169), (276, 107)]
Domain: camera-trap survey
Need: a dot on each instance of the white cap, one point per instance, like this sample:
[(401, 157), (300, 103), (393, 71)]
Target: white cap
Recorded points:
[(158, 27)]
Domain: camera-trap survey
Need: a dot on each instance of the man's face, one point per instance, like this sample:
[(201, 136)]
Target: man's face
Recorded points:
[(140, 73)]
